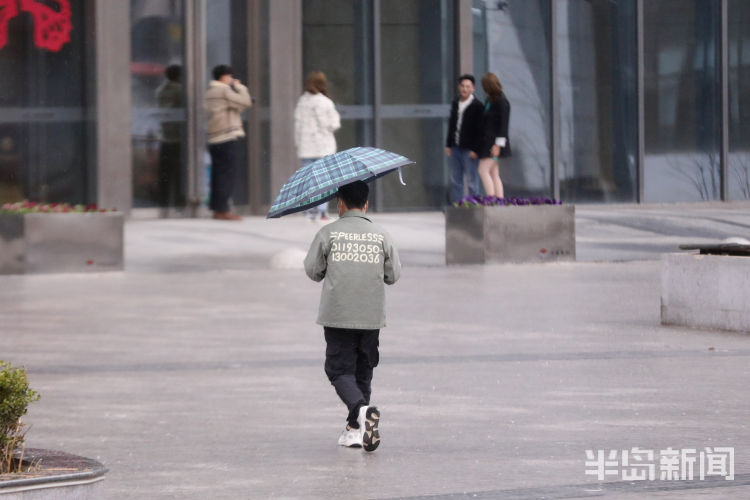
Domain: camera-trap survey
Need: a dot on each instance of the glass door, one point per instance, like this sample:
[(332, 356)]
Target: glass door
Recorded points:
[(159, 114), (416, 83), (174, 46)]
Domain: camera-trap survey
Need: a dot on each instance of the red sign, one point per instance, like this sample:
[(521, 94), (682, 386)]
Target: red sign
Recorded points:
[(52, 26)]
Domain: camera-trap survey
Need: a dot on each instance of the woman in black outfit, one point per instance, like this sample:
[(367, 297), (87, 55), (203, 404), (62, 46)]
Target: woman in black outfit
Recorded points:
[(495, 143)]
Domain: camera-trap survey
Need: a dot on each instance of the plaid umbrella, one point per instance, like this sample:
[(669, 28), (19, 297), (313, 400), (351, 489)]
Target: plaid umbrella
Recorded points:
[(319, 181)]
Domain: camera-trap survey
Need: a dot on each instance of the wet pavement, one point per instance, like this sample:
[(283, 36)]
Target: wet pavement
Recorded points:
[(197, 372)]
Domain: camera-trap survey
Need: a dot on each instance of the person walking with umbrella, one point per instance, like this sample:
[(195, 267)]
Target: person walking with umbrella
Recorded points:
[(354, 258), (315, 121), (495, 143)]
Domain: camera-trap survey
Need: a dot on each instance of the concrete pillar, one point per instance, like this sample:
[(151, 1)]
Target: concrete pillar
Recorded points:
[(285, 86), (114, 173), (257, 23), (464, 38)]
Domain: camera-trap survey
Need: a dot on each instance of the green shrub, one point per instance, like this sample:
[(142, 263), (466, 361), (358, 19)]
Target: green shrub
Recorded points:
[(15, 396)]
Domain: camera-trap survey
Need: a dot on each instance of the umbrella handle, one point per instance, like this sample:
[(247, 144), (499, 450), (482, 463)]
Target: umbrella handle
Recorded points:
[(401, 177)]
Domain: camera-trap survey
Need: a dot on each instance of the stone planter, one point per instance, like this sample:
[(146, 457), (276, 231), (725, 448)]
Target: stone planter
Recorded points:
[(532, 233), (706, 291), (58, 476), (61, 242)]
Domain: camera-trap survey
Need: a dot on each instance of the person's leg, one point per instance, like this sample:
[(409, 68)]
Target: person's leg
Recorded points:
[(222, 176), (368, 357), (369, 416), (178, 175), (341, 367), (456, 176), (221, 172), (485, 164), (227, 175), (215, 151), (170, 175), (163, 175), (495, 173)]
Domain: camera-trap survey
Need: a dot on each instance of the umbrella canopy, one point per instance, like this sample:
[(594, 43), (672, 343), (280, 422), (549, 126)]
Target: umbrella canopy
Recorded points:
[(319, 181)]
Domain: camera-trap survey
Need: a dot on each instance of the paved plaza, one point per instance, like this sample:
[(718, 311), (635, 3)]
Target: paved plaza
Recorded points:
[(197, 373)]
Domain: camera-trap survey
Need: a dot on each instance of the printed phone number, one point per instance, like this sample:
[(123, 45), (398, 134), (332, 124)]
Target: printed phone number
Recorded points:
[(355, 252)]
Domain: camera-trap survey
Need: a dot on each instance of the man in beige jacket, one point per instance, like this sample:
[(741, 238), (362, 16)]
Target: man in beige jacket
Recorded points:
[(224, 100)]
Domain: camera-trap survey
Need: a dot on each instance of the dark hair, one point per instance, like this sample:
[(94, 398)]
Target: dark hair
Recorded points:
[(491, 86), (316, 83), (467, 77), (221, 70), (354, 195), (173, 72)]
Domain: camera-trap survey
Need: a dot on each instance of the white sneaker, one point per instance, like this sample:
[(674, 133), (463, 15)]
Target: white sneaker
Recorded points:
[(351, 438), (368, 419)]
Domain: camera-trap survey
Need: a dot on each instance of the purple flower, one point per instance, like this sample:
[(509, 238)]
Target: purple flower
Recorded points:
[(494, 201)]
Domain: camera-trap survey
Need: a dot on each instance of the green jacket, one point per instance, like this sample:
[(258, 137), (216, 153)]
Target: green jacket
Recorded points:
[(356, 257)]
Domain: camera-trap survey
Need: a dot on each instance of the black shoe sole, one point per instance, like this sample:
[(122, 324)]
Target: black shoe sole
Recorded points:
[(371, 438)]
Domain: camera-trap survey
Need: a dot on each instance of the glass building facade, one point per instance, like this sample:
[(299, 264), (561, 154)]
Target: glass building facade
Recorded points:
[(621, 100), (46, 107), (612, 101)]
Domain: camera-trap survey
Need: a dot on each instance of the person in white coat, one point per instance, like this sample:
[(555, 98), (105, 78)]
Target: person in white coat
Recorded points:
[(315, 121)]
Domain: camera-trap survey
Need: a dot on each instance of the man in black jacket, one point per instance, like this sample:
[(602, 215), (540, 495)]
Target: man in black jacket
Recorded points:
[(464, 139)]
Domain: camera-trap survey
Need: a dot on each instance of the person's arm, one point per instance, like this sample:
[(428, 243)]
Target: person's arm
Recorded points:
[(333, 118), (326, 116), (391, 262), (316, 261), (238, 96), (450, 139), (501, 139), (493, 128), (476, 121)]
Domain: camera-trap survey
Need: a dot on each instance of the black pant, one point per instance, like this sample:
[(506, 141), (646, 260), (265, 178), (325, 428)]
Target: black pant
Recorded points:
[(171, 178), (351, 356), (223, 158)]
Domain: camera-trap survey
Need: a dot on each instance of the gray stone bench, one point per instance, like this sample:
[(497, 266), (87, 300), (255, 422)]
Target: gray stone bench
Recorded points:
[(513, 234), (710, 289), (61, 242)]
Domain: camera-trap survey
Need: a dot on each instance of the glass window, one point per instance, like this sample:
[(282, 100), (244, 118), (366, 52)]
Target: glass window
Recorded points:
[(44, 113), (597, 68), (739, 100), (682, 100), (337, 40), (517, 48), (159, 115), (479, 37), (416, 83)]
